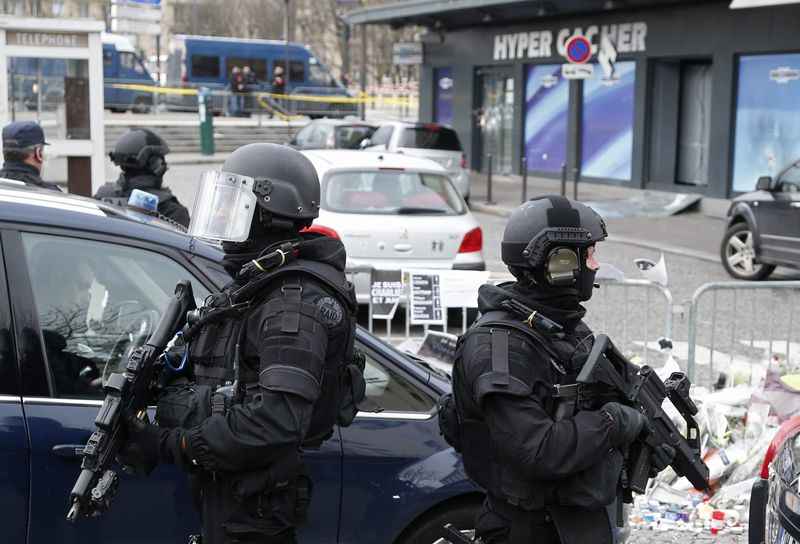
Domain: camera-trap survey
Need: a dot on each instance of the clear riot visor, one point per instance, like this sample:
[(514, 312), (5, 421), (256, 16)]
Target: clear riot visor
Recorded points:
[(224, 208)]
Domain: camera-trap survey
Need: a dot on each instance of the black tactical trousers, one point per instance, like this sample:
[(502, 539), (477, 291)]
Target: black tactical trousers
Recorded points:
[(248, 508)]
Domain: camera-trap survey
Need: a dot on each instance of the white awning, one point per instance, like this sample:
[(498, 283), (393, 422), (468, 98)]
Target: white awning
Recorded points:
[(738, 4)]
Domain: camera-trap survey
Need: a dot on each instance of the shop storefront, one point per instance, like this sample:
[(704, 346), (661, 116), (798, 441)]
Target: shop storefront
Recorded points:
[(677, 96), (51, 72)]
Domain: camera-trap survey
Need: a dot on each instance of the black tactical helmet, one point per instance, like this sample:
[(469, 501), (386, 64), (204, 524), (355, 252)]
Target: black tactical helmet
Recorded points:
[(545, 241), (140, 149), (287, 185)]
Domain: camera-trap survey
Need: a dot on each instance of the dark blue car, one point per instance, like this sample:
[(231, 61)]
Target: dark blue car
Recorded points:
[(81, 285)]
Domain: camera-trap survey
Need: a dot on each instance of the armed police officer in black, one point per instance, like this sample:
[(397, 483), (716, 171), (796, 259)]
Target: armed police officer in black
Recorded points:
[(271, 355), (549, 472), (140, 153)]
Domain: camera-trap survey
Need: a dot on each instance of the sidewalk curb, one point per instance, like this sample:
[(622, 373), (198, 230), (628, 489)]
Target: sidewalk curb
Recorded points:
[(502, 211)]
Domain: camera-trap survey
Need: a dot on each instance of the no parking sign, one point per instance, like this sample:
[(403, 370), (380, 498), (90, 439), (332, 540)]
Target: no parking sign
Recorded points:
[(578, 50)]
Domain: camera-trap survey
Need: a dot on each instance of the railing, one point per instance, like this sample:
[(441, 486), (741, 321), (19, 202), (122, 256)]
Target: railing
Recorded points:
[(748, 328)]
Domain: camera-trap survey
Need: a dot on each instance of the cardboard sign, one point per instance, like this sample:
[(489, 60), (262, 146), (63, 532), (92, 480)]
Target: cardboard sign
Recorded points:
[(386, 287)]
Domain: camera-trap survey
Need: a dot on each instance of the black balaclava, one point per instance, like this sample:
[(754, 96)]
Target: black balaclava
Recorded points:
[(261, 237)]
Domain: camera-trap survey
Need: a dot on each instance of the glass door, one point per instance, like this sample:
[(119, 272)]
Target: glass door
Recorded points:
[(495, 120)]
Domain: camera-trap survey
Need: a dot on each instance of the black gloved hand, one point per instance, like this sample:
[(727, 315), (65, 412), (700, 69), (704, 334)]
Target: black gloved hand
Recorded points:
[(630, 422), (147, 445), (660, 458)]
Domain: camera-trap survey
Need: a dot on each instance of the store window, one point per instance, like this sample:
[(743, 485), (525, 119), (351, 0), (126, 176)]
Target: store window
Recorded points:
[(52, 92), (767, 135), (607, 135), (443, 101), (546, 116)]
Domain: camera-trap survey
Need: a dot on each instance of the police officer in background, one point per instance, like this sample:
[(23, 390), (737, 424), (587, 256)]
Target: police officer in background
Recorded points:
[(140, 153), (279, 332), (549, 471), (23, 153)]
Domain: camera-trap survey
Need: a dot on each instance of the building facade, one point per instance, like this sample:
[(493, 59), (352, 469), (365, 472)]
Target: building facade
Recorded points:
[(677, 96)]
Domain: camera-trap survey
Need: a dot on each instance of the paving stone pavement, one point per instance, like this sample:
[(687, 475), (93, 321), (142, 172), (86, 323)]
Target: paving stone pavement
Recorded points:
[(650, 536)]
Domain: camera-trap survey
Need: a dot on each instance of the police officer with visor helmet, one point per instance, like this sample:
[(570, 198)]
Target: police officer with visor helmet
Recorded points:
[(285, 330)]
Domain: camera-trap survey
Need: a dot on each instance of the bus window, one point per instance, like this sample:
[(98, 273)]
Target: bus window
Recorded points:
[(205, 66), (257, 66), (107, 57), (320, 76), (297, 70), (128, 60)]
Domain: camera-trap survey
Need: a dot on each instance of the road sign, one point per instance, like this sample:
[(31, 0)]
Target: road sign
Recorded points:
[(578, 49), (577, 71), (137, 13), (135, 27), (407, 53)]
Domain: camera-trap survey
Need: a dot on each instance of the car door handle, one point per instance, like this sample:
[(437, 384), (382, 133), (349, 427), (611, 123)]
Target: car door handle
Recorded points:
[(402, 247), (68, 450)]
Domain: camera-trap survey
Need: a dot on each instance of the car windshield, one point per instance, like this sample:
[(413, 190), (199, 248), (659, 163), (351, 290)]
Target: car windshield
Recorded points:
[(391, 192), (430, 137), (350, 136)]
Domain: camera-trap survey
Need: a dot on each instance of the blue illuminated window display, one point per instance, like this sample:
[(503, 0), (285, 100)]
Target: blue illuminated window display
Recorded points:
[(443, 102), (767, 133), (546, 114), (607, 136)]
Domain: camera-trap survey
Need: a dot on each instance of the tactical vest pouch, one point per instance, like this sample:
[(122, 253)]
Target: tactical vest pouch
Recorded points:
[(449, 426), (183, 405), (477, 462), (353, 390), (594, 487)]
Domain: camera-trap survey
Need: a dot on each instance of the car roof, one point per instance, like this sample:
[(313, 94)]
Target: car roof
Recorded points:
[(345, 159), (416, 124), (47, 208), (337, 122)]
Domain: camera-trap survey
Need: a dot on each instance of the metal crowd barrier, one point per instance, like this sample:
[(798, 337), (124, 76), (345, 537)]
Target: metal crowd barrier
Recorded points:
[(748, 324), (611, 312)]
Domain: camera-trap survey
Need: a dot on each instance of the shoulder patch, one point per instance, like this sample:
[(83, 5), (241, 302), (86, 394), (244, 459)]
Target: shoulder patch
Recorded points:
[(330, 310)]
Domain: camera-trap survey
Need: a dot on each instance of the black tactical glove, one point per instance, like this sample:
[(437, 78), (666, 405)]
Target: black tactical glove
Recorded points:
[(660, 458), (630, 422), (147, 445)]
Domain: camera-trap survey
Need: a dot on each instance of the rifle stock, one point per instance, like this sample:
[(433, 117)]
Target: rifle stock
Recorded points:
[(609, 372), (96, 485)]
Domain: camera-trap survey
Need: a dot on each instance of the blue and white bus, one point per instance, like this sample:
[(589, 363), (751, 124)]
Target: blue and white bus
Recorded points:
[(205, 61)]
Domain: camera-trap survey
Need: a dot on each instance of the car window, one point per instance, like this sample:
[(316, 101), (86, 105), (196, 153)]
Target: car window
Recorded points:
[(297, 70), (430, 137), (129, 60), (107, 57), (391, 192), (319, 135), (320, 75), (382, 135), (303, 135), (350, 136), (96, 302), (206, 66), (790, 180), (393, 391)]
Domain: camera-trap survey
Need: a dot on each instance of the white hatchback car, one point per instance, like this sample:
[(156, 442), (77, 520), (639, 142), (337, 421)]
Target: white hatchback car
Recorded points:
[(436, 142), (393, 212)]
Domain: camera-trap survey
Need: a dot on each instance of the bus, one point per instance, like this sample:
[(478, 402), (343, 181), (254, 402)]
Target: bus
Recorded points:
[(206, 61), (38, 83)]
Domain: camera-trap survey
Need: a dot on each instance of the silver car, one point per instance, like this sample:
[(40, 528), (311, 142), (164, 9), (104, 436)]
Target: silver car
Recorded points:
[(393, 212), (436, 142)]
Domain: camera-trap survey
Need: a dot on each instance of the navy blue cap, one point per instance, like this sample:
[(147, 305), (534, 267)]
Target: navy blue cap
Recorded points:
[(21, 134)]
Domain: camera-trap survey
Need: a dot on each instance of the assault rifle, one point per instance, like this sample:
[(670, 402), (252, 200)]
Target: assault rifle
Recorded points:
[(608, 373), (125, 393)]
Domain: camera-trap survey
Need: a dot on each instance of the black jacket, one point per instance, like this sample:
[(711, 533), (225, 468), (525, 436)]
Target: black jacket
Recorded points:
[(117, 193), (26, 173), (531, 455)]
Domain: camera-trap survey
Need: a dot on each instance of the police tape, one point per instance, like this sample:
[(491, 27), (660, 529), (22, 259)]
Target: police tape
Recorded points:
[(362, 98)]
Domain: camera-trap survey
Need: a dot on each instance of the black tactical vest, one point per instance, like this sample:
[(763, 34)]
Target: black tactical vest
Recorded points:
[(499, 329), (212, 352)]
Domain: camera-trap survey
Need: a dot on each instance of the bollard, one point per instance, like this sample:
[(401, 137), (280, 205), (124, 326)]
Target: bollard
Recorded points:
[(205, 109), (563, 179), (575, 186), (524, 179), (489, 179)]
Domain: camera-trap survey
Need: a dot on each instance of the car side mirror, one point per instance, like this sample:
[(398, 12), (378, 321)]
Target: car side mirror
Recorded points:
[(764, 183), (365, 143)]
